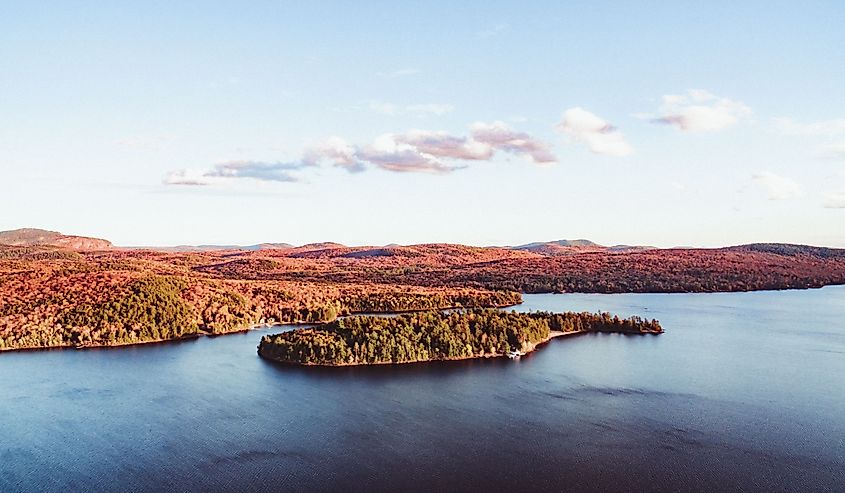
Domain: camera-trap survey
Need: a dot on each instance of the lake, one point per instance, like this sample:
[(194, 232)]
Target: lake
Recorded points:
[(744, 391)]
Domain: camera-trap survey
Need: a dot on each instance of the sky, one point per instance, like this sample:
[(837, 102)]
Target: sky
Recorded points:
[(368, 123)]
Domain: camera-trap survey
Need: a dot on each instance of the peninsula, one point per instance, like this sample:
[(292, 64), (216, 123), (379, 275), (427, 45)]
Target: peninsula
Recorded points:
[(436, 336)]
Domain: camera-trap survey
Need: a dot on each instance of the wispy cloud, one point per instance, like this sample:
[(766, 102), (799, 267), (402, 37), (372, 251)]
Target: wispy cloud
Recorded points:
[(828, 135), (832, 127), (834, 200), (420, 110), (142, 144), (599, 135), (190, 177), (402, 72), (429, 109), (263, 171), (700, 111), (777, 187)]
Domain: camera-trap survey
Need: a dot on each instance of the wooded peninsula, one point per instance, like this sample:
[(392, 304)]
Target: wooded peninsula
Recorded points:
[(436, 336)]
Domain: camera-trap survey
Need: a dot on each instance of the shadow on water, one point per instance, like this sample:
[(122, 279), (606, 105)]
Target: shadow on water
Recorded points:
[(389, 371)]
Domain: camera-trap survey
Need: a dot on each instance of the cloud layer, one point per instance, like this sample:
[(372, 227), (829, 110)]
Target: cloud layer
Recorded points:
[(700, 111), (599, 135), (416, 151)]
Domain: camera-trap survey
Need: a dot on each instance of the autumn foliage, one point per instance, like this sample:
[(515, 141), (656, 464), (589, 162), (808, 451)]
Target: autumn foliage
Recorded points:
[(52, 296), (434, 335)]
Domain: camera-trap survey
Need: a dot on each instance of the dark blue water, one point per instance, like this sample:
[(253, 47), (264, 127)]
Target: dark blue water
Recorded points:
[(745, 391)]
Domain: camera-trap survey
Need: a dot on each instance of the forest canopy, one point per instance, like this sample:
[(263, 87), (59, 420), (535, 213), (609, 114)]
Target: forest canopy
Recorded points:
[(435, 335)]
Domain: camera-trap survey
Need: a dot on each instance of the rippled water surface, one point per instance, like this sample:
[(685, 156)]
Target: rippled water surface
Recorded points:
[(744, 391)]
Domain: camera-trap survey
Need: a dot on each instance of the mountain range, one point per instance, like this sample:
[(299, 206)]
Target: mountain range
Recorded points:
[(41, 237)]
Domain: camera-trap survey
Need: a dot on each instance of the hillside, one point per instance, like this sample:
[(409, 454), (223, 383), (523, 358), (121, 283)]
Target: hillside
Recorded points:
[(569, 247), (211, 248), (52, 295), (41, 237)]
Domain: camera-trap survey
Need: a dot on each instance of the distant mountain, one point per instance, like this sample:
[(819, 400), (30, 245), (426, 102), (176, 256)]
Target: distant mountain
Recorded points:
[(569, 247), (443, 252), (215, 248), (790, 250), (631, 248), (562, 243), (42, 237)]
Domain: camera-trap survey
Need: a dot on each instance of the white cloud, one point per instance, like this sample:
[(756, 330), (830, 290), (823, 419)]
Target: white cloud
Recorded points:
[(501, 137), (420, 151), (599, 135), (835, 200), (389, 154), (337, 151), (777, 187), (263, 171), (700, 111), (443, 145)]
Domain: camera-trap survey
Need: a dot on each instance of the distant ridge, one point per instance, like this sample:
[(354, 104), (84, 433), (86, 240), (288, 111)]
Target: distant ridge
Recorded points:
[(568, 247), (30, 237), (213, 248), (43, 237)]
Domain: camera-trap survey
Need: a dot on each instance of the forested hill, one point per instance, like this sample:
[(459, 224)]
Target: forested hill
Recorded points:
[(740, 268), (41, 237), (789, 250), (430, 336)]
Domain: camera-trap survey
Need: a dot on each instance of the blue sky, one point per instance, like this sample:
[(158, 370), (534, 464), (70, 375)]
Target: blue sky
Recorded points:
[(371, 123)]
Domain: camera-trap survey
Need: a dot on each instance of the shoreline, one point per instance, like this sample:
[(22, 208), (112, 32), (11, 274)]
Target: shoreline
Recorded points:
[(257, 326), (249, 328)]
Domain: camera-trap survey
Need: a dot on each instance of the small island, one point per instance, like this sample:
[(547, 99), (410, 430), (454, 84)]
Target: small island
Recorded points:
[(437, 336)]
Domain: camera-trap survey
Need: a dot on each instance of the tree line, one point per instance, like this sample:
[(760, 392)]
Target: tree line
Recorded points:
[(95, 308)]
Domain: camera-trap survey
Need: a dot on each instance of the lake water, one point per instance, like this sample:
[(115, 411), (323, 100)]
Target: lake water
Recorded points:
[(745, 391)]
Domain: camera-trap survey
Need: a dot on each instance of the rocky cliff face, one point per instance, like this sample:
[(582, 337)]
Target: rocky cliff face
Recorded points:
[(83, 243), (41, 237)]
